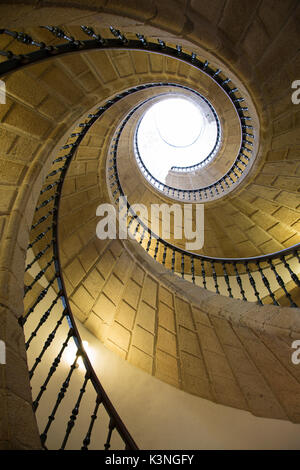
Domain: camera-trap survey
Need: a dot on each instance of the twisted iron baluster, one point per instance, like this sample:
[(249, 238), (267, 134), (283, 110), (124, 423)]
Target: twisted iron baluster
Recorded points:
[(55, 363), (137, 229), (215, 277), (292, 274), (281, 283), (42, 219), (203, 274), (239, 281), (39, 255), (142, 39), (193, 269), (230, 178), (226, 182), (60, 397), (59, 33), (164, 255), (161, 43), (87, 439), (173, 260), (49, 187), (43, 319), (182, 265), (39, 237), (156, 249), (111, 427), (227, 279), (54, 172), (75, 411), (39, 275), (90, 32), (22, 320), (142, 236), (118, 35), (149, 243), (266, 283), (45, 203), (130, 222), (252, 282), (24, 38), (63, 157)]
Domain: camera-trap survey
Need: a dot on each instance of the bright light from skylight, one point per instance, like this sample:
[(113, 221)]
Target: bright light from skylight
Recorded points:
[(176, 131), (178, 121)]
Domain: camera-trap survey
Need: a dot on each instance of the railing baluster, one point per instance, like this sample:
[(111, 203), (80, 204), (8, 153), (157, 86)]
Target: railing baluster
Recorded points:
[(54, 365), (173, 260), (40, 236), (281, 283), (40, 297), (111, 427), (239, 281), (75, 411), (292, 274), (45, 203), (182, 265), (87, 439), (60, 397), (203, 274), (226, 279), (211, 191), (39, 255), (39, 275), (42, 219), (164, 255), (149, 243), (142, 236), (215, 277), (266, 283), (193, 270), (156, 249), (252, 282), (43, 319)]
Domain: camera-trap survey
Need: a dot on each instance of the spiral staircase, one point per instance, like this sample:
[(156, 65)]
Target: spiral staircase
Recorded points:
[(214, 325)]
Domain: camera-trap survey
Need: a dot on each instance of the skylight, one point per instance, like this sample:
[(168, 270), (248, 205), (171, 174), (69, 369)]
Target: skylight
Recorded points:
[(176, 131)]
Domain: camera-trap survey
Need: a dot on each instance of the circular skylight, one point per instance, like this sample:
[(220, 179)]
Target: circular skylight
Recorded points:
[(176, 131), (178, 121)]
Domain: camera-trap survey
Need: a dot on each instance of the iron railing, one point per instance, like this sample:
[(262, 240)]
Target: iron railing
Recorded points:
[(243, 160), (265, 279), (46, 289), (46, 260)]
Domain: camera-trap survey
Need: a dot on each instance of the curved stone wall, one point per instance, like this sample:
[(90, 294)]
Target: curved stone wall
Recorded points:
[(258, 42)]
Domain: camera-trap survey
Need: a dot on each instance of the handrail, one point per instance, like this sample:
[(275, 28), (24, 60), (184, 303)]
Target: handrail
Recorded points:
[(54, 181), (242, 161), (210, 270), (50, 210), (118, 423)]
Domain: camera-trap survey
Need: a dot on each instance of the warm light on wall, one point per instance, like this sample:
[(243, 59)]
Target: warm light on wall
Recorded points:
[(70, 354)]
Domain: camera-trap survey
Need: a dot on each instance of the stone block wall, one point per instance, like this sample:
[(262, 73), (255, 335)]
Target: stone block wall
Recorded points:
[(259, 42)]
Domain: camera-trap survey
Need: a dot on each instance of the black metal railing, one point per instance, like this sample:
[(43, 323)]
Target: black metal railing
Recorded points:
[(264, 279), (45, 289), (46, 293), (243, 160)]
